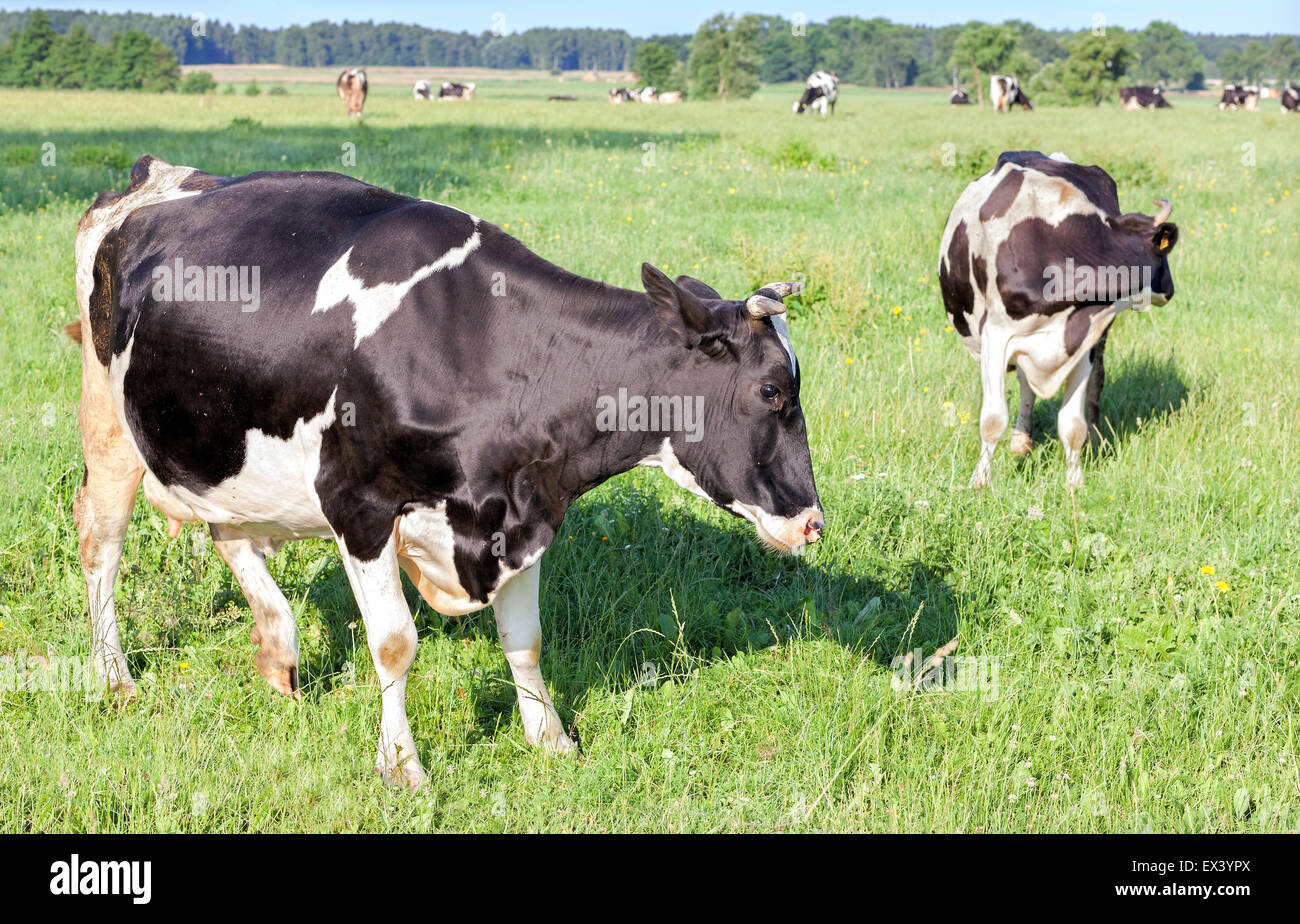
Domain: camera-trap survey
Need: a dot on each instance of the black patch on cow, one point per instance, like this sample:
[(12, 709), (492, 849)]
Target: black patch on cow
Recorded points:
[(999, 201), (103, 296), (979, 268), (1077, 326), (1094, 182), (954, 281), (482, 401)]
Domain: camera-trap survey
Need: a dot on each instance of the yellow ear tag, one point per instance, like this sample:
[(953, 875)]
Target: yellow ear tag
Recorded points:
[(1164, 243)]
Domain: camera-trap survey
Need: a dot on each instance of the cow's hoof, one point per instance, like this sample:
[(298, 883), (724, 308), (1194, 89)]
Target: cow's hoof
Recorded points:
[(560, 744), (1073, 480), (281, 675), (978, 482), (124, 690), (1021, 444)]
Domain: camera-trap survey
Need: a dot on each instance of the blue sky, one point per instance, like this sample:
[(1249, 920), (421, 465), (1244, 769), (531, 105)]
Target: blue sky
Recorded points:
[(646, 18)]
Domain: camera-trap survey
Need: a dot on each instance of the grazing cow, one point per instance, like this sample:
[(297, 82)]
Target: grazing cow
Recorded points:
[(959, 97), (1005, 92), (621, 95), (1290, 99), (1036, 261), (672, 96), (456, 92), (646, 95), (422, 90), (820, 92), (352, 89), (1235, 96), (287, 355), (1143, 98)]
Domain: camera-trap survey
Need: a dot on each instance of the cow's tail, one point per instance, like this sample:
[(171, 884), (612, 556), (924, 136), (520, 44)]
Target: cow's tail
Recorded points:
[(73, 330)]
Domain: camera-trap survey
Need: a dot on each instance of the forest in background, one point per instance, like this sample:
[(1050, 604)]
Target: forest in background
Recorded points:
[(873, 52)]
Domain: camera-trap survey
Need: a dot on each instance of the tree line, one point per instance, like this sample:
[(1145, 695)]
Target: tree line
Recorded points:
[(873, 52)]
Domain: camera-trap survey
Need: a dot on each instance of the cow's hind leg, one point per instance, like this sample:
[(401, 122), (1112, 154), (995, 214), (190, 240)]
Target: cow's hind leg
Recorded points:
[(519, 626), (1096, 381), (1071, 422), (390, 634), (993, 410), (102, 511), (275, 631), (1022, 438)]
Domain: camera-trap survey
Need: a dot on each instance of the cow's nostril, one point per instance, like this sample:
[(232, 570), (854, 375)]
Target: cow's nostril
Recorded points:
[(812, 529)]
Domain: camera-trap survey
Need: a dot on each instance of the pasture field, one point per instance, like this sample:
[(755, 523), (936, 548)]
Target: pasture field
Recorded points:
[(1136, 640)]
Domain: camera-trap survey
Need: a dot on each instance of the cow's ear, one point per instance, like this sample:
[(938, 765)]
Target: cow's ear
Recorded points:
[(677, 307), (701, 289), (1165, 237)]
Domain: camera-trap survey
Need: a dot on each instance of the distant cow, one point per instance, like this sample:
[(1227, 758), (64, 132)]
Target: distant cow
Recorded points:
[(621, 95), (1290, 99), (959, 97), (1005, 92), (1143, 98), (820, 92), (1235, 96), (422, 90), (672, 96), (561, 99), (352, 90), (456, 92), (646, 95), (351, 372), (1036, 262)]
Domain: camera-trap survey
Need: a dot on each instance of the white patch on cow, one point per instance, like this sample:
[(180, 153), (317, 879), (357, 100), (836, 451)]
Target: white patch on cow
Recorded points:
[(373, 305), (425, 536), (666, 460), (1060, 157), (783, 331)]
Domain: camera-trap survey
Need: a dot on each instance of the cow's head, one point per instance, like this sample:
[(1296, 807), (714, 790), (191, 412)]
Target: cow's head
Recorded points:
[(1152, 238), (750, 456), (810, 95)]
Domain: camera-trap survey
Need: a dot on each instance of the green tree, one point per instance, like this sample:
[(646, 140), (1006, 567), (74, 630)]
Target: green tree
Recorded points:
[(1231, 67), (1284, 59), (654, 65), (197, 82), (1254, 62), (30, 51), (1166, 56), (69, 60), (983, 50), (252, 89), (1090, 73), (139, 62), (724, 59)]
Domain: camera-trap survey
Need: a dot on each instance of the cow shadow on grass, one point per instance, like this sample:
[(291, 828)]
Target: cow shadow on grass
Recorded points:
[(641, 587), (1140, 392)]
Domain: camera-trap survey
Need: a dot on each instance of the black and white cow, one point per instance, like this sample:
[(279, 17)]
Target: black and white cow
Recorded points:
[(959, 97), (456, 92), (286, 355), (1235, 96), (422, 91), (1143, 98), (1035, 263), (820, 92), (1290, 99), (352, 87), (1005, 92), (622, 95)]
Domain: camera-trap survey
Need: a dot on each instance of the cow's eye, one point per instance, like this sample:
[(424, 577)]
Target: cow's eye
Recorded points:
[(770, 392)]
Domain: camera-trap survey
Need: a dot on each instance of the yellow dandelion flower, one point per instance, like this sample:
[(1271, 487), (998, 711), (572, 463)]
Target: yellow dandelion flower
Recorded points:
[(1221, 585), (1207, 569)]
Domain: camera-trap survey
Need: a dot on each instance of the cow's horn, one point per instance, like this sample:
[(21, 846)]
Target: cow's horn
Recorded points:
[(767, 300), (1166, 209)]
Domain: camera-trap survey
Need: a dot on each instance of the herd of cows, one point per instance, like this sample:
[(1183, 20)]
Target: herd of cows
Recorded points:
[(1005, 92), (314, 415)]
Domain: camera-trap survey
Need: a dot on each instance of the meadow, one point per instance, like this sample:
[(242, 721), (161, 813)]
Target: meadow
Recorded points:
[(1137, 638)]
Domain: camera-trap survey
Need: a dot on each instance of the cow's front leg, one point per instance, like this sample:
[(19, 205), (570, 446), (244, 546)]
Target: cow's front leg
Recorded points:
[(390, 634), (993, 410), (519, 625), (1022, 438), (1072, 424), (1096, 382)]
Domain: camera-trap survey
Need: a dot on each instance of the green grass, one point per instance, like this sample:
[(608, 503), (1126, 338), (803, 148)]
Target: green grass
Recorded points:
[(1132, 695)]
